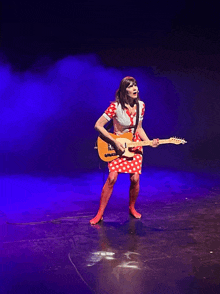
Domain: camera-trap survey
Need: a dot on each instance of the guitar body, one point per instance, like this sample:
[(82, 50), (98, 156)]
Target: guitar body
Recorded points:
[(107, 152)]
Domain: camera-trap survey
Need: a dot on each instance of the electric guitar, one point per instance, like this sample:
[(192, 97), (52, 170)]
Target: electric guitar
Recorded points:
[(108, 153)]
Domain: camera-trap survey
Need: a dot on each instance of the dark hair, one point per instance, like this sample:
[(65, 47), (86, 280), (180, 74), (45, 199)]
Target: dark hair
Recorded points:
[(121, 95)]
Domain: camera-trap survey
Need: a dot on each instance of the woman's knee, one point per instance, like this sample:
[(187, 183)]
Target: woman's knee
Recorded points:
[(135, 179), (112, 178)]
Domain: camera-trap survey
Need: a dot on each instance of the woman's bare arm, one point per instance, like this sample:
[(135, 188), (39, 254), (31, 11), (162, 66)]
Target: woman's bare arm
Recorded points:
[(144, 136), (141, 132)]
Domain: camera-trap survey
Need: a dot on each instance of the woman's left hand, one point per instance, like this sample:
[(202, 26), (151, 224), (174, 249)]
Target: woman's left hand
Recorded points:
[(155, 142)]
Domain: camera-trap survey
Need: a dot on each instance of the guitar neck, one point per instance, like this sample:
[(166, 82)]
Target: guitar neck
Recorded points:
[(147, 143)]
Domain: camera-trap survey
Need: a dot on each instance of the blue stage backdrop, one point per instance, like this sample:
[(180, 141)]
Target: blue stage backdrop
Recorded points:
[(48, 114)]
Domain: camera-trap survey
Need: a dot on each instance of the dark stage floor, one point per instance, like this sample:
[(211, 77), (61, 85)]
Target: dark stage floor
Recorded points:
[(50, 247)]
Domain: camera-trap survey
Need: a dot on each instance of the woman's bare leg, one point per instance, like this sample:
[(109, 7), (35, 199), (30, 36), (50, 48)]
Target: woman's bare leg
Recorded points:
[(105, 195), (134, 190)]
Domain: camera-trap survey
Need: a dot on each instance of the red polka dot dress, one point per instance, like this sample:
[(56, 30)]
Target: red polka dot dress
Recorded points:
[(122, 122)]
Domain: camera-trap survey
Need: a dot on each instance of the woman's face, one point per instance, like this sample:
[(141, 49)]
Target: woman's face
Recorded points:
[(132, 90)]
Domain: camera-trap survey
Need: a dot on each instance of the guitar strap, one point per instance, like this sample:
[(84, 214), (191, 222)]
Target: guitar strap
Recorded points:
[(137, 118), (109, 125)]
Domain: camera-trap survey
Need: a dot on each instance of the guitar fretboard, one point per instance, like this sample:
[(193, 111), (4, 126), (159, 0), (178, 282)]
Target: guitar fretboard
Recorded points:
[(147, 143)]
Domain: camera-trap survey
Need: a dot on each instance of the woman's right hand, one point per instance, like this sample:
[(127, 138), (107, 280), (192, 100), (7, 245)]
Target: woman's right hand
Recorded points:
[(119, 146)]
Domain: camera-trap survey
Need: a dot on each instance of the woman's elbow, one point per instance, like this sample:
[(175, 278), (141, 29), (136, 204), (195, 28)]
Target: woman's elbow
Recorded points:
[(96, 126), (100, 123)]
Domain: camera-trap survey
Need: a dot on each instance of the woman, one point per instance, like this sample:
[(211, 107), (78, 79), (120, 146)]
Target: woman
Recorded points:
[(123, 113)]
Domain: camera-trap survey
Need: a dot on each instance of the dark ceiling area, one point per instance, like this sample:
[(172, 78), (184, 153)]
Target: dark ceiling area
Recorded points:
[(31, 30)]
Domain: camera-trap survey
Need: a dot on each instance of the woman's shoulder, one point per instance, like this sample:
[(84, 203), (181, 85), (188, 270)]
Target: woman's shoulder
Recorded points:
[(113, 103), (112, 108), (141, 103)]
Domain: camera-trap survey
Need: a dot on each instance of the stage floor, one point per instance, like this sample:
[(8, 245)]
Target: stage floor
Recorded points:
[(48, 245)]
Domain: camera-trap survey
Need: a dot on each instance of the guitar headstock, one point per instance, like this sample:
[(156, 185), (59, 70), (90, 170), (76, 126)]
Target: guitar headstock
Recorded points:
[(177, 141)]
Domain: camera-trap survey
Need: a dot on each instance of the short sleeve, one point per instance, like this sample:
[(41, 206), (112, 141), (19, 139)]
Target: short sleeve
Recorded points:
[(110, 111), (142, 111)]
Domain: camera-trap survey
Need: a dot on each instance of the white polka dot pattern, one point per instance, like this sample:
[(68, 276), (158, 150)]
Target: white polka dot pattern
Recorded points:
[(128, 165), (111, 110)]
